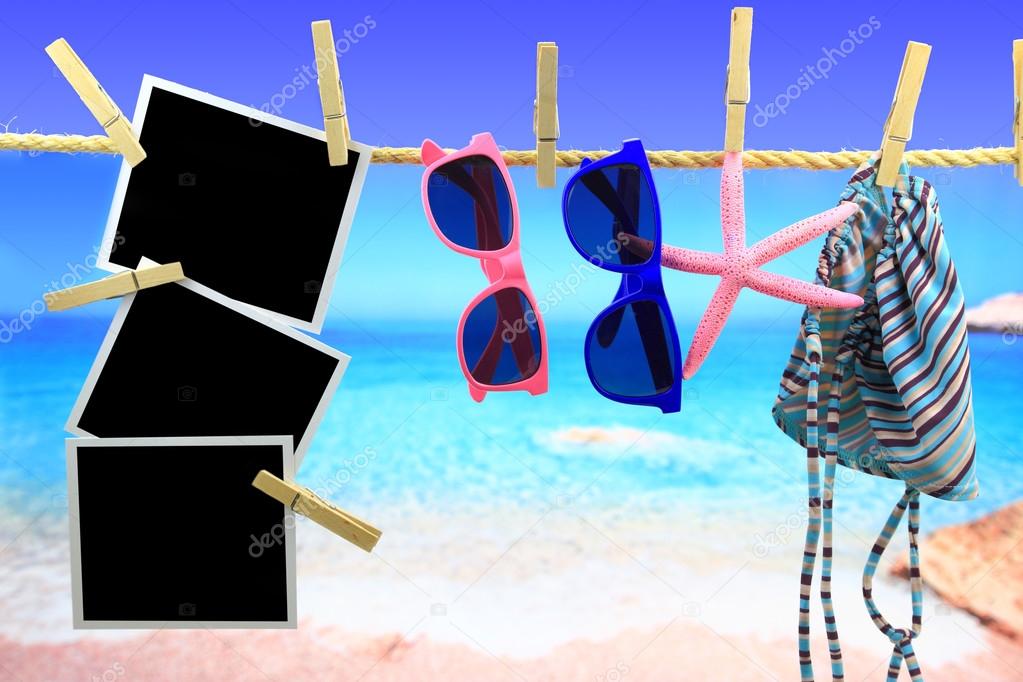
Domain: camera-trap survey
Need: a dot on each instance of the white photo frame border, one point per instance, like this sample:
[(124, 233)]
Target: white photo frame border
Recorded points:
[(290, 548), (251, 312), (149, 82)]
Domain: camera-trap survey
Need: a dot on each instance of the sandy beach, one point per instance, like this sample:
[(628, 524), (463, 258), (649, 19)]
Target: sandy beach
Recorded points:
[(524, 539), (558, 591)]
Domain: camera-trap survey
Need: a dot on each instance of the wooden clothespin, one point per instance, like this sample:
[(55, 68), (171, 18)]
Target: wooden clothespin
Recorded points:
[(117, 127), (307, 503), (1017, 117), (332, 96), (898, 129), (737, 81), (545, 113), (121, 284)]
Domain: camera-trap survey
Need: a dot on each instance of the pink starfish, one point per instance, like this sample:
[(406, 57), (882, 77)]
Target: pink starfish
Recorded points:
[(739, 265)]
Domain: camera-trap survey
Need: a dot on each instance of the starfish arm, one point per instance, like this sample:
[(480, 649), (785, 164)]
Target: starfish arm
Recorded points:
[(676, 257), (798, 291), (733, 208), (711, 324), (689, 260), (637, 246), (797, 234)]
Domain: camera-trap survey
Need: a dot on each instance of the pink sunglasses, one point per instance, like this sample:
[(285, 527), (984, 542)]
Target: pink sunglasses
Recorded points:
[(470, 202)]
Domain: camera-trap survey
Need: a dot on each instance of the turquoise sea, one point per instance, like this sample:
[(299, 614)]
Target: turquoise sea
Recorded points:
[(402, 428)]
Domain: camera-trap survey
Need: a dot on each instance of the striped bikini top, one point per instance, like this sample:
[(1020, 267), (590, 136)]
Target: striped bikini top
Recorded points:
[(896, 375)]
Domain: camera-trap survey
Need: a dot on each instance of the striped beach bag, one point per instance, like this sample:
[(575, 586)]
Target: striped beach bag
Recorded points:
[(895, 378)]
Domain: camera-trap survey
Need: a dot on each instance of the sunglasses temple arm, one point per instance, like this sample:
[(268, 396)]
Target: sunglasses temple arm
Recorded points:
[(655, 344), (652, 332), (486, 225), (473, 189), (522, 347), (488, 230), (602, 189), (652, 335), (510, 308), (521, 342), (485, 367), (628, 196), (608, 329)]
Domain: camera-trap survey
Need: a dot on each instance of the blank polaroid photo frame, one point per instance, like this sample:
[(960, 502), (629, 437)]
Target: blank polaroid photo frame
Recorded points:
[(182, 360), (245, 200), (170, 533)]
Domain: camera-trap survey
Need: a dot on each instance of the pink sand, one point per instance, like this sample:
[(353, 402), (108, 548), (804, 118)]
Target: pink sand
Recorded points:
[(560, 591), (672, 651)]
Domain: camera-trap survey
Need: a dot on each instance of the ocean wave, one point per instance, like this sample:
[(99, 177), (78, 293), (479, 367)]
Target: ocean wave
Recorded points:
[(654, 447)]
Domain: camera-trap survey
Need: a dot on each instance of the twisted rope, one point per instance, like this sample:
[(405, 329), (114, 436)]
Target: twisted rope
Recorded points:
[(68, 144), (966, 158)]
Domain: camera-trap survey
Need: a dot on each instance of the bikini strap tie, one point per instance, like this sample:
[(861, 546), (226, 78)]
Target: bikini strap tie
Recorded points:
[(819, 513), (901, 638)]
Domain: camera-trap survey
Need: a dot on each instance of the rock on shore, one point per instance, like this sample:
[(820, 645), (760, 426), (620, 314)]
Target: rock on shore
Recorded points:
[(1000, 315), (978, 567)]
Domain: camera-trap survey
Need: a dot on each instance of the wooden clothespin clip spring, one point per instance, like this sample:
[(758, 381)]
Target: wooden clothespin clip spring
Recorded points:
[(737, 78), (307, 503), (898, 128), (332, 96), (121, 284), (97, 100), (545, 113)]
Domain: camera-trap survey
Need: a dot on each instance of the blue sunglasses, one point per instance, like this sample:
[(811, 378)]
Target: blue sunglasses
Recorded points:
[(613, 220)]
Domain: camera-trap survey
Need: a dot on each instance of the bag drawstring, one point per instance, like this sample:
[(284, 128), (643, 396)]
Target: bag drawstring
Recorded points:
[(819, 508), (902, 639), (830, 465)]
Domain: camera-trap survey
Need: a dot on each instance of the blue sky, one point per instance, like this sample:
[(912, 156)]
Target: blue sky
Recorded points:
[(653, 70)]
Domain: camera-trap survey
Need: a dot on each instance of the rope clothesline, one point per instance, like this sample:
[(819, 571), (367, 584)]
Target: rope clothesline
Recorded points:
[(966, 158)]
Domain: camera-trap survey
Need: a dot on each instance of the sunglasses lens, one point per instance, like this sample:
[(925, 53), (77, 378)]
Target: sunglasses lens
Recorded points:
[(631, 353), (610, 214), (470, 203), (501, 339)]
